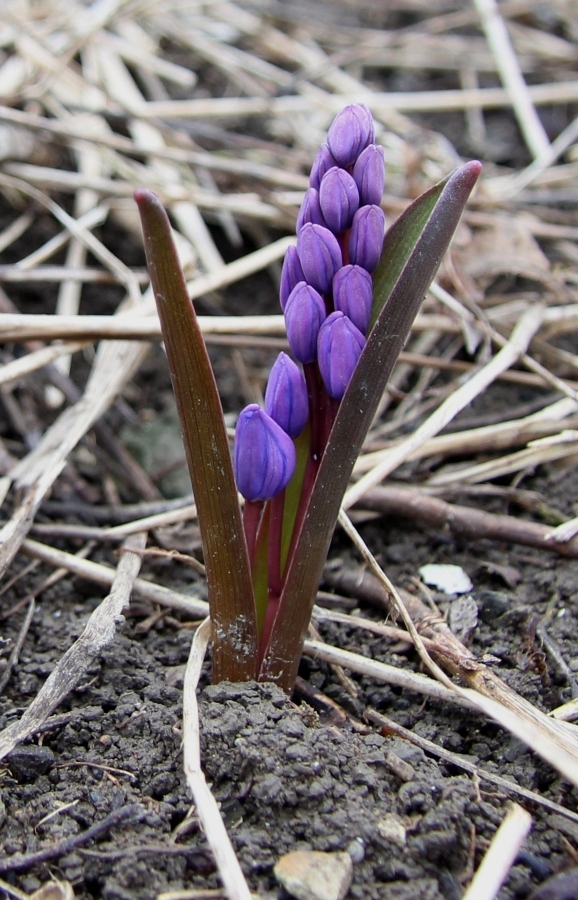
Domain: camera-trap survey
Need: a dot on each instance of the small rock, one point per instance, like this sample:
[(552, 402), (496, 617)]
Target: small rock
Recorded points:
[(26, 763), (356, 850), (54, 890), (399, 767), (446, 577), (312, 875), (463, 617), (392, 829)]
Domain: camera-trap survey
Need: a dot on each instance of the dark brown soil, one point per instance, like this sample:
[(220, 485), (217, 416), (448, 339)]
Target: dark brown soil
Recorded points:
[(285, 778)]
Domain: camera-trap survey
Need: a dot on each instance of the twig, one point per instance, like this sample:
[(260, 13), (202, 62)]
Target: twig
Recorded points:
[(519, 340), (500, 855), (61, 848), (207, 808), (463, 762), (13, 658), (383, 672), (98, 633), (114, 514), (557, 745), (412, 101), (465, 521), (509, 69), (155, 593), (20, 368)]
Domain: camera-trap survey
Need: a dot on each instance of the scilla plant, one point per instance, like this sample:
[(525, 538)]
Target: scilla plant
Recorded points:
[(349, 296)]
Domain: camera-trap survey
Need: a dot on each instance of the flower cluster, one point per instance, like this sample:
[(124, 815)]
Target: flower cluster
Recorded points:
[(326, 295)]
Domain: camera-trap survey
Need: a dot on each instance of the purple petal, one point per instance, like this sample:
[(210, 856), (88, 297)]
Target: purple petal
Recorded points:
[(310, 210), (369, 175), (323, 161), (286, 399), (319, 254), (304, 314), (339, 347), (350, 132), (338, 199), (366, 237), (353, 295), (291, 274), (264, 457)]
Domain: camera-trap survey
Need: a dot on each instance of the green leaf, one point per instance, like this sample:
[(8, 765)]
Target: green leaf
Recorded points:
[(231, 600), (413, 249)]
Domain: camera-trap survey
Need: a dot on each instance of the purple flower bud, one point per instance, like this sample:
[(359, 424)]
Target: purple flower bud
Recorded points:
[(369, 175), (310, 210), (338, 199), (291, 274), (366, 237), (350, 133), (286, 399), (322, 162), (339, 347), (304, 313), (319, 254), (353, 295), (264, 455)]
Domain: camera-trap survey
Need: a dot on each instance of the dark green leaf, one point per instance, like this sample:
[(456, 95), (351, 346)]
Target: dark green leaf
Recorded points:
[(231, 598)]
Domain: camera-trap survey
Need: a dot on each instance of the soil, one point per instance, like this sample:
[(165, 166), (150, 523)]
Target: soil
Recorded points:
[(287, 776)]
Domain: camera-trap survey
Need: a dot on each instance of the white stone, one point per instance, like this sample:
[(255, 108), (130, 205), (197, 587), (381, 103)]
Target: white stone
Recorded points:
[(392, 829), (313, 875), (447, 578)]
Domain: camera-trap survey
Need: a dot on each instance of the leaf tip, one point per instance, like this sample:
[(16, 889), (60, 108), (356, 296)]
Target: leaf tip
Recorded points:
[(470, 172), (474, 168), (144, 198)]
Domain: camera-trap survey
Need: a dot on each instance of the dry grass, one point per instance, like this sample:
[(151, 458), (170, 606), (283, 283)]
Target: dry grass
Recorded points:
[(219, 108)]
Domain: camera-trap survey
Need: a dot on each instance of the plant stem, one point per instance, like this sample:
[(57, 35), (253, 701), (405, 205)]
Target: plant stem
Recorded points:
[(251, 516), (275, 532)]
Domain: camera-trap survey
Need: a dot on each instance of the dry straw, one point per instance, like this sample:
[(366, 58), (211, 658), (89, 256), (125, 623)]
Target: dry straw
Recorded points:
[(91, 107)]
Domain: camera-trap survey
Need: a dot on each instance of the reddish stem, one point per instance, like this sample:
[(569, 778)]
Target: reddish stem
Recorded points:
[(272, 609), (251, 518), (274, 557), (328, 413), (313, 381)]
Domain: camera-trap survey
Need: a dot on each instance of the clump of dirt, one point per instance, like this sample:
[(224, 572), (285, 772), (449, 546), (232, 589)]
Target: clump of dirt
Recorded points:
[(295, 783)]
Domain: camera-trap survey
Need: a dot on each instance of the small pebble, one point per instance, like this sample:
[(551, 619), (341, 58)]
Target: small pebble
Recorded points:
[(54, 890), (26, 763), (356, 850), (399, 767), (392, 829), (313, 875)]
